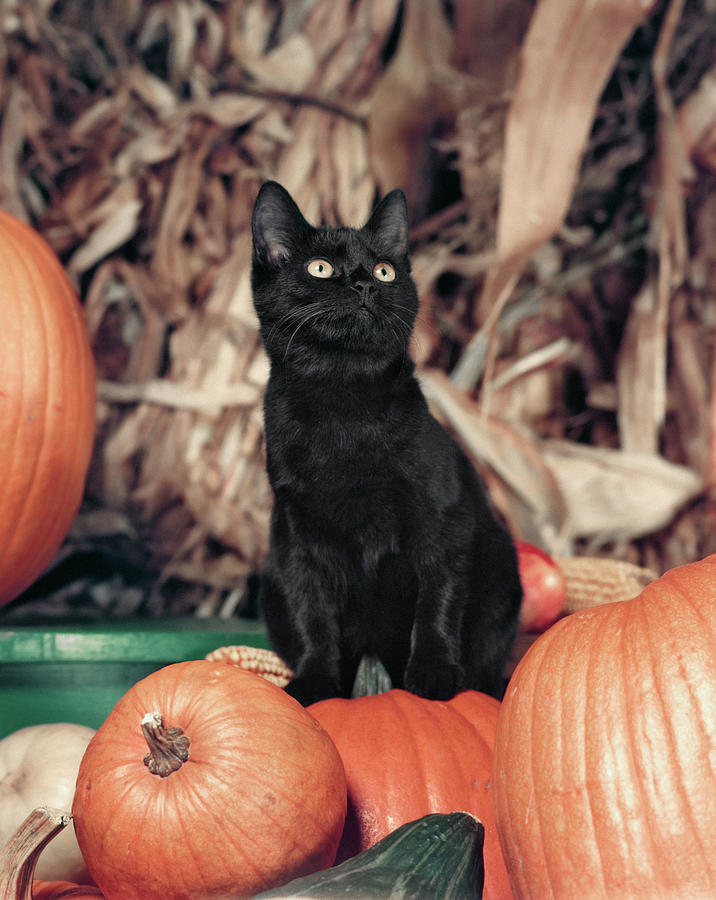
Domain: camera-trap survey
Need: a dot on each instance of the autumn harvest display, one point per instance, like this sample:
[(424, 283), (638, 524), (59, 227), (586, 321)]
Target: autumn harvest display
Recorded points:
[(559, 161), (582, 787)]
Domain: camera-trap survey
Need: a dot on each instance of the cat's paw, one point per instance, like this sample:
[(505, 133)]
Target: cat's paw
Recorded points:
[(311, 690), (435, 682)]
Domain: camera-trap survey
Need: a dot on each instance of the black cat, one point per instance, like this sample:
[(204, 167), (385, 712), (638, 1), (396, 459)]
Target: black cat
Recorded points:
[(382, 541)]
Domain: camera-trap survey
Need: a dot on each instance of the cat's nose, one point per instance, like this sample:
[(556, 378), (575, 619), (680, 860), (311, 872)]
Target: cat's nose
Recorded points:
[(361, 281)]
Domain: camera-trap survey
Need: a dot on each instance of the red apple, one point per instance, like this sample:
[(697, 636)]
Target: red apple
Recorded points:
[(544, 588)]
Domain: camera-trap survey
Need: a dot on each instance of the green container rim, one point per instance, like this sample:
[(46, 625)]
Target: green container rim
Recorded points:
[(146, 640)]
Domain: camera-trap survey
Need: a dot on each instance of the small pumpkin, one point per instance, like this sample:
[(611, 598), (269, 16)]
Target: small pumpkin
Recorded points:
[(241, 789), (605, 755), (47, 405), (64, 890), (406, 757), (38, 766)]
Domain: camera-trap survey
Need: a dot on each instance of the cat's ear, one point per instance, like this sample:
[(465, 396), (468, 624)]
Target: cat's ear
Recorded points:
[(276, 224), (388, 225)]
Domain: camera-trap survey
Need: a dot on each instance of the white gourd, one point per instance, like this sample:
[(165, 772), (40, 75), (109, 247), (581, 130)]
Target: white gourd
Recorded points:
[(38, 767)]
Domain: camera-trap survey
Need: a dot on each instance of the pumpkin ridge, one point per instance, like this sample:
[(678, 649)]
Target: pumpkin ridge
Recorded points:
[(599, 664), (202, 801), (545, 795), (630, 715), (34, 486), (14, 530), (541, 645), (80, 450), (64, 489), (316, 824), (108, 837), (708, 622), (187, 843), (7, 548), (6, 483), (416, 763), (107, 773), (675, 756)]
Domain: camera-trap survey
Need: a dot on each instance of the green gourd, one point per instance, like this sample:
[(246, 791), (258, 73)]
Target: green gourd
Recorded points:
[(437, 857)]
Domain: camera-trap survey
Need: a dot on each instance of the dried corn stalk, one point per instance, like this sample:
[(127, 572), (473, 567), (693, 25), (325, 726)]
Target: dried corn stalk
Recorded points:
[(568, 54)]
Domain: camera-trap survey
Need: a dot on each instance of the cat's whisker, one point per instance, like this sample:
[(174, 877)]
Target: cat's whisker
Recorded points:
[(403, 339), (286, 321), (405, 327), (419, 317), (290, 317), (300, 325)]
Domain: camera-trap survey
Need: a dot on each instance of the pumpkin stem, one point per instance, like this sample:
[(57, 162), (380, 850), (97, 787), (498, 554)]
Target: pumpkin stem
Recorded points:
[(169, 747), (19, 856), (371, 678)]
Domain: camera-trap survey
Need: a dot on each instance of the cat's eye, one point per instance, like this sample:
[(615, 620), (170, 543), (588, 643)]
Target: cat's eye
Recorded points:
[(384, 272), (320, 268)]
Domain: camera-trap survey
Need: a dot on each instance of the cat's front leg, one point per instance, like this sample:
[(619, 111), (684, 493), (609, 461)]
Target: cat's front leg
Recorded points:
[(434, 680), (434, 669), (317, 666), (300, 615), (313, 683)]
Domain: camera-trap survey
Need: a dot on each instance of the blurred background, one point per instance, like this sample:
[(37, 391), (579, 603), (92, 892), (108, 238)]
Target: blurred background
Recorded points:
[(559, 161)]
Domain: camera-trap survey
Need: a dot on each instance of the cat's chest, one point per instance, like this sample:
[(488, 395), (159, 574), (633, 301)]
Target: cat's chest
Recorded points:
[(350, 486), (347, 433), (343, 452), (356, 469)]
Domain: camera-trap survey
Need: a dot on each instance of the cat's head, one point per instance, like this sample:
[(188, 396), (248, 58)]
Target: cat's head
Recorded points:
[(322, 291)]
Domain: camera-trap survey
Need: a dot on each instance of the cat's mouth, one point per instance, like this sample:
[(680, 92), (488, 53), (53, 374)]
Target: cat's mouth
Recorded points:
[(357, 327)]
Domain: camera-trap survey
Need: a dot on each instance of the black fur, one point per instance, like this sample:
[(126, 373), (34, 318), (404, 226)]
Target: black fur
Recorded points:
[(382, 540)]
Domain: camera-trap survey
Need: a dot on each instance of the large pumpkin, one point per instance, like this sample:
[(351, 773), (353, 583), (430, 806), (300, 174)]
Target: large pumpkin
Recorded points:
[(47, 405), (406, 756), (605, 757), (241, 789)]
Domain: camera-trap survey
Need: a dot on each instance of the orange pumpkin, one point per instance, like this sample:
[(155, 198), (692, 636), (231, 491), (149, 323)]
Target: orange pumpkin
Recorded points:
[(64, 890), (241, 790), (605, 756), (406, 756), (47, 405)]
